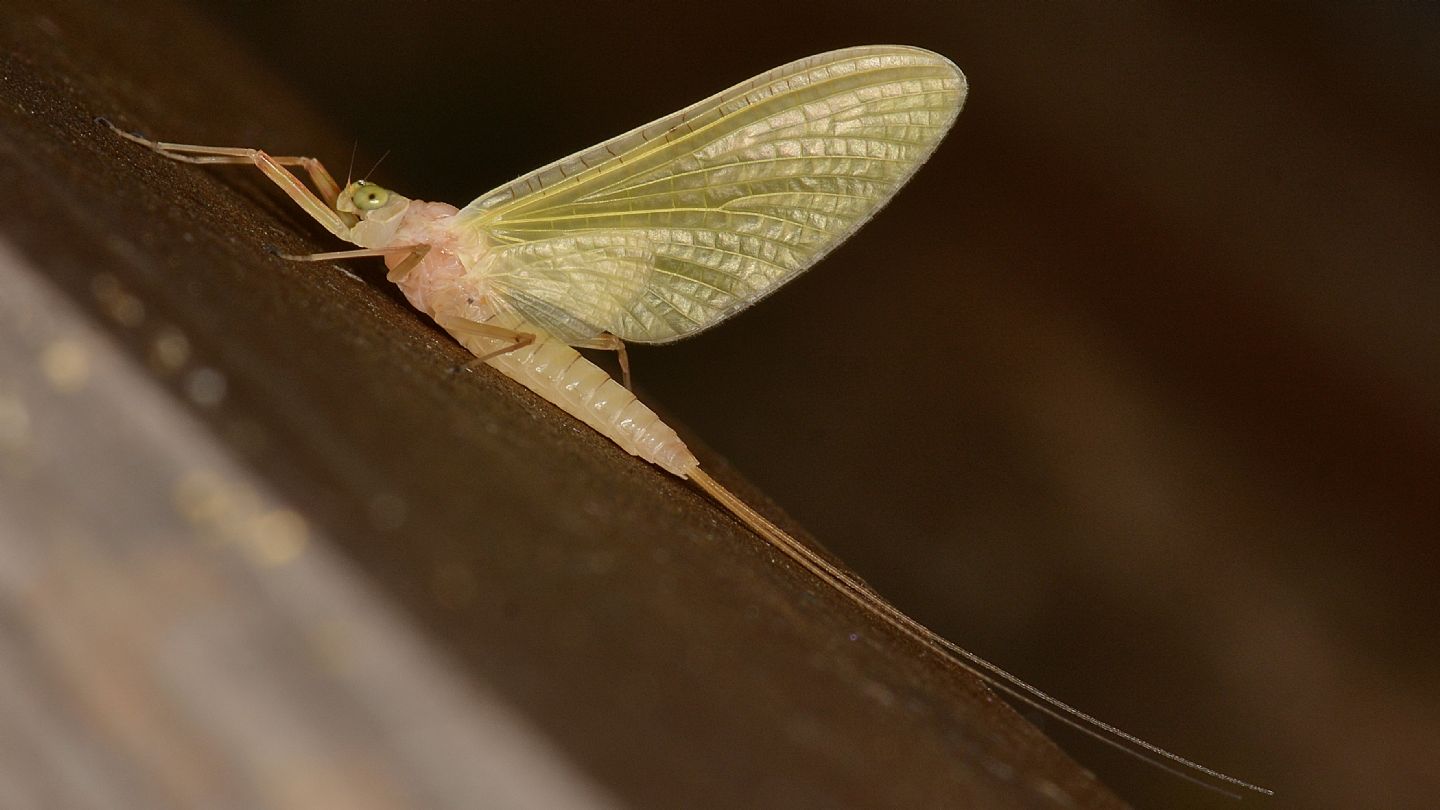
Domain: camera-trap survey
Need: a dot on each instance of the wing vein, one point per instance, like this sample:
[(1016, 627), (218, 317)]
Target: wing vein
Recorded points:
[(674, 226), (566, 217), (648, 148)]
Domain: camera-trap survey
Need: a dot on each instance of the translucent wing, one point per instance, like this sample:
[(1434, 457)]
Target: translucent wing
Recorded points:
[(730, 197), (543, 279)]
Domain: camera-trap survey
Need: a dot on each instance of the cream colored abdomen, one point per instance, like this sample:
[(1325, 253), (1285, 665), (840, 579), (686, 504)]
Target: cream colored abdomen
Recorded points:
[(560, 374), (443, 288)]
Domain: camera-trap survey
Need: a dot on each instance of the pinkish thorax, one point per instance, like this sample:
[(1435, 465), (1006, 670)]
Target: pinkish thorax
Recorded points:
[(443, 283)]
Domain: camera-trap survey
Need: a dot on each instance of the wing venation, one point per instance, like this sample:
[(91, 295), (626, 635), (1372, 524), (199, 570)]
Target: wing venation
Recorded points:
[(725, 200)]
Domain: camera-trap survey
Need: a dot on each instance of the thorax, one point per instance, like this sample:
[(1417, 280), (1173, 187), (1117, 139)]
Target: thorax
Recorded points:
[(447, 281)]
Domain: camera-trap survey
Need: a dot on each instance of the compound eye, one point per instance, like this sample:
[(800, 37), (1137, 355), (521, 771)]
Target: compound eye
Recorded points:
[(368, 197)]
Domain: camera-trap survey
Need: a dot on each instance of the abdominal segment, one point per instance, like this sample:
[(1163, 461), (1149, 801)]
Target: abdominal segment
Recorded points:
[(561, 375)]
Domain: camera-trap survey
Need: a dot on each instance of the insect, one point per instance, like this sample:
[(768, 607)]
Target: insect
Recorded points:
[(658, 234)]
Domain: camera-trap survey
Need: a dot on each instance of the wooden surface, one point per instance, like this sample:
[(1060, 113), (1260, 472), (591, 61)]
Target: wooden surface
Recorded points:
[(264, 546), (177, 635), (1134, 389)]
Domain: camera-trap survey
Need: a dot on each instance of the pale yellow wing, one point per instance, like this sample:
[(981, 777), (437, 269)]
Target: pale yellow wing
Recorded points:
[(543, 279), (729, 198)]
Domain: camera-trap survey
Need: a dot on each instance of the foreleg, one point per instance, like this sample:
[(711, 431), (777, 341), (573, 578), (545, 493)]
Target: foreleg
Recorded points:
[(322, 210)]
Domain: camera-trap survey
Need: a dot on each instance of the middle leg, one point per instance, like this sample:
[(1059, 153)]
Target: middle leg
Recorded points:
[(463, 326), (417, 252)]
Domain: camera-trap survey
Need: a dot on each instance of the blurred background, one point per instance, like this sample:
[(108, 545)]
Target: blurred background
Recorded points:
[(1135, 390)]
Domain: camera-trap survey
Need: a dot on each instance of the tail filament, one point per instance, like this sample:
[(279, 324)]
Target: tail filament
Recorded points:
[(867, 599)]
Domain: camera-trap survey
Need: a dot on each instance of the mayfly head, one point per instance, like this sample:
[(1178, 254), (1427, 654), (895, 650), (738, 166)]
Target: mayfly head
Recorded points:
[(369, 201), (379, 209)]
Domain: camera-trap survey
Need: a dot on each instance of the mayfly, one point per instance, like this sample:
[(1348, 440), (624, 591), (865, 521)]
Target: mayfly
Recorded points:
[(661, 233)]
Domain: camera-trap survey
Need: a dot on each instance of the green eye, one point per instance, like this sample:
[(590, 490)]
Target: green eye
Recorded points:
[(369, 197)]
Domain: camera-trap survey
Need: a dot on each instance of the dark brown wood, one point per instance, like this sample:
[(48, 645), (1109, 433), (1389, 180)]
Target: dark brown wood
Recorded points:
[(649, 649)]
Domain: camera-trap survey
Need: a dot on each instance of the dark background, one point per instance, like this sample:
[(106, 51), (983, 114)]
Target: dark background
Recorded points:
[(1133, 391)]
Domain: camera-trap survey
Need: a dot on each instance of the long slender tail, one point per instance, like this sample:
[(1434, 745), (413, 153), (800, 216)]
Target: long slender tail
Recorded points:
[(867, 599)]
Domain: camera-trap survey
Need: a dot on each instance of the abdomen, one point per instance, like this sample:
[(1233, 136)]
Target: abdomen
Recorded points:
[(549, 367), (560, 374)]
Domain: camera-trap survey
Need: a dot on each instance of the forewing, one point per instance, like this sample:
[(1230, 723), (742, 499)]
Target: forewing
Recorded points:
[(741, 192)]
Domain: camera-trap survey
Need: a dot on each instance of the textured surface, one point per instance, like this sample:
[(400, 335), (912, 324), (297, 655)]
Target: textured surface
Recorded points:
[(658, 649)]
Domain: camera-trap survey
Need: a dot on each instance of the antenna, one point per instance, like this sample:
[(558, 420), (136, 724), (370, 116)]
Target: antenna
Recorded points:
[(350, 170), (376, 166)]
